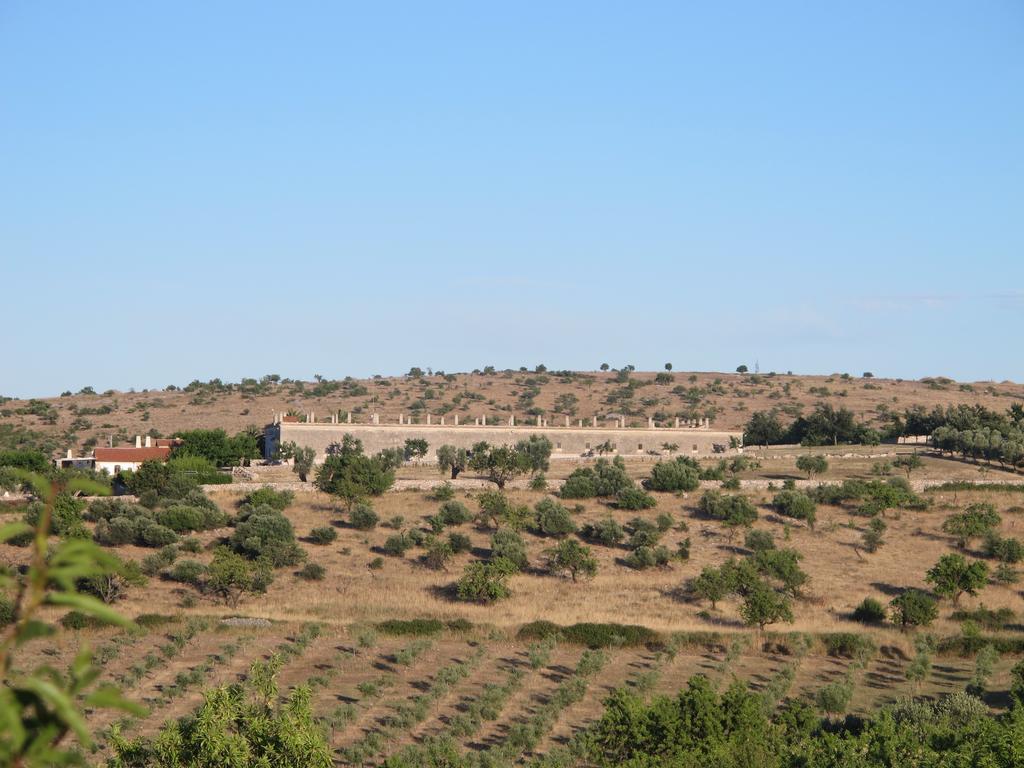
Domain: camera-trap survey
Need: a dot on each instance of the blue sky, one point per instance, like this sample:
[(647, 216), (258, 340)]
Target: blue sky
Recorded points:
[(191, 190)]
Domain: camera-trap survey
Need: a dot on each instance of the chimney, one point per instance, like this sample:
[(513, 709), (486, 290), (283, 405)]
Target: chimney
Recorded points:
[(138, 441), (69, 453), (149, 441)]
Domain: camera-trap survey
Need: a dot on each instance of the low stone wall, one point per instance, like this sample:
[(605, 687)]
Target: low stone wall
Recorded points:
[(476, 483), (567, 442)]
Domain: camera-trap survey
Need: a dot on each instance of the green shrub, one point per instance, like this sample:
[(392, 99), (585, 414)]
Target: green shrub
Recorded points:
[(913, 608), (153, 534), (991, 619), (604, 479), (647, 557), (509, 545), (75, 620), (553, 519), (6, 610), (539, 630), (279, 500), (634, 498), (673, 476), (974, 522), (439, 553), (410, 627), (797, 505), (454, 513), (683, 549), (485, 582), (849, 645), (870, 611), (579, 485), (970, 645), (759, 541), (417, 537), (834, 698), (376, 564), (266, 533), (151, 565), (363, 518), (397, 545), (153, 620), (732, 510), (66, 519), (191, 545), (607, 532), (182, 519), (642, 533), (1005, 550), (443, 492), (111, 507), (609, 635), (459, 542), (187, 572), (312, 572), (117, 531), (323, 535)]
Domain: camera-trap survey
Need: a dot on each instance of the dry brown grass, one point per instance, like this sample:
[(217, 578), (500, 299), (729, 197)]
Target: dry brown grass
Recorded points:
[(841, 575)]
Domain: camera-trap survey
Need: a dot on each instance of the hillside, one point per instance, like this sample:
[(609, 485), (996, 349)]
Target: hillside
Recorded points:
[(82, 420)]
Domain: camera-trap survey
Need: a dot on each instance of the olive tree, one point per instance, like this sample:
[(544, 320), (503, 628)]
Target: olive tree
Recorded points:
[(974, 522), (352, 475), (953, 575), (908, 463), (452, 459), (762, 606), (302, 458), (812, 464), (913, 608), (572, 557), (499, 463), (797, 505)]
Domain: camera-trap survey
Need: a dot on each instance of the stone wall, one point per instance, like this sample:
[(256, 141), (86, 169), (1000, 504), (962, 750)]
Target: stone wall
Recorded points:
[(568, 442)]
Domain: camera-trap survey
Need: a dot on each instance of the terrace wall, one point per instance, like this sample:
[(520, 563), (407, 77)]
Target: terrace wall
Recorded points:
[(568, 442)]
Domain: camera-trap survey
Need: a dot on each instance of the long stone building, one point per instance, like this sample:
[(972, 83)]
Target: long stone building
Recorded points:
[(569, 440)]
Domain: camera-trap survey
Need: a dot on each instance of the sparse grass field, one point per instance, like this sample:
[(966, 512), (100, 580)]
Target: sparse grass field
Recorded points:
[(478, 680)]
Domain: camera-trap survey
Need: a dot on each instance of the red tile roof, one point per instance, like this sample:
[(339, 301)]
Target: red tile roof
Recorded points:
[(133, 454)]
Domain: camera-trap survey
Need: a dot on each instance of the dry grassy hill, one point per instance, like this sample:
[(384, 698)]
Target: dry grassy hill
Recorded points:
[(81, 420)]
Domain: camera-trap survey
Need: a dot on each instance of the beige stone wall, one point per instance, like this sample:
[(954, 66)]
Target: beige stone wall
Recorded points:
[(568, 442)]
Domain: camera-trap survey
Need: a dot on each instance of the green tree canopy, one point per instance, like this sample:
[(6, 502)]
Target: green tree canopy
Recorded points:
[(351, 475), (953, 575)]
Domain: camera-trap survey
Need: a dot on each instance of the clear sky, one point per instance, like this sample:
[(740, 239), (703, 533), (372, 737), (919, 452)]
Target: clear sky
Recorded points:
[(227, 189)]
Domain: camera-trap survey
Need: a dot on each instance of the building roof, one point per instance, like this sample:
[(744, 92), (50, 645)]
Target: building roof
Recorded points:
[(132, 454)]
